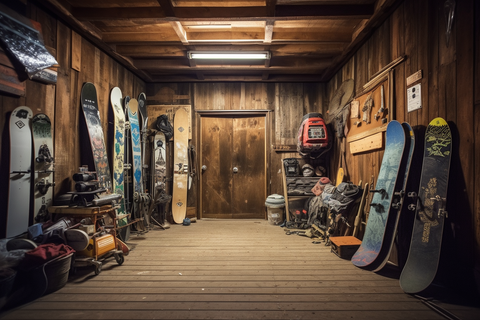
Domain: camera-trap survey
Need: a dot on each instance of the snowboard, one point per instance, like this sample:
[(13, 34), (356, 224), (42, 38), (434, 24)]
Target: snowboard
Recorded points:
[(430, 209), (180, 165), (95, 132), (159, 171), (160, 163), (379, 231), (18, 209), (118, 156), (43, 166), (394, 216), (132, 111), (128, 166), (142, 108)]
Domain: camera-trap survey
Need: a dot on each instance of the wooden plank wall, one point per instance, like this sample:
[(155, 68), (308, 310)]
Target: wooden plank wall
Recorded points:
[(417, 30), (61, 102)]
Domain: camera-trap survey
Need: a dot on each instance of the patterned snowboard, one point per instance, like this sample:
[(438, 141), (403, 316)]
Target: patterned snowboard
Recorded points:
[(44, 166), (160, 163), (381, 204), (180, 166), (95, 132), (142, 108), (18, 212), (132, 111), (394, 216), (119, 158), (424, 254)]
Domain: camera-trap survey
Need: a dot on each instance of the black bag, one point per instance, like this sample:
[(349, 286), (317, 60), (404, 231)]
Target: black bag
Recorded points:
[(344, 197), (291, 167), (164, 125)]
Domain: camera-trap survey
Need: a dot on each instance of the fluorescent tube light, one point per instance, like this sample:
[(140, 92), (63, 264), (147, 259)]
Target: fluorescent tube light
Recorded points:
[(251, 55)]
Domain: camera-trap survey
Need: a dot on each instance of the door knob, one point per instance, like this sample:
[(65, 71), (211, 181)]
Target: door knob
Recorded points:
[(235, 169), (204, 167)]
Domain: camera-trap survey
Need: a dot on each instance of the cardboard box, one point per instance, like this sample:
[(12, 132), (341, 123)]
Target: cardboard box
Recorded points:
[(345, 247)]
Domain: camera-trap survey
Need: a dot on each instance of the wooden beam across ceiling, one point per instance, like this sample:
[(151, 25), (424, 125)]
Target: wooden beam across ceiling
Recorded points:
[(277, 50), (283, 12), (181, 65)]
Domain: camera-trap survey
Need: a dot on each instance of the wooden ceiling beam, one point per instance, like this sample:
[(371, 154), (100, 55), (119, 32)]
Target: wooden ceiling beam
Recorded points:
[(287, 50), (268, 31), (238, 78), (123, 37), (312, 36), (181, 65), (180, 31), (220, 3), (364, 11), (270, 5), (167, 7), (227, 13)]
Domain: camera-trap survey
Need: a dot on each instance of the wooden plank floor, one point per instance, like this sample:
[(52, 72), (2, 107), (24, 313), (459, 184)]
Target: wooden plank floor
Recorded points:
[(227, 269)]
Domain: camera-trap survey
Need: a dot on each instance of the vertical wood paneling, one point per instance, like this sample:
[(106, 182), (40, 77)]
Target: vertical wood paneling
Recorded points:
[(65, 138), (314, 94), (397, 43), (411, 64), (464, 190), (256, 96), (423, 49), (476, 208), (289, 112), (361, 67), (433, 61)]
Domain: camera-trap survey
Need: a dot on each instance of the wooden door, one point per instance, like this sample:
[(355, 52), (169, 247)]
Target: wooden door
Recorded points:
[(228, 143)]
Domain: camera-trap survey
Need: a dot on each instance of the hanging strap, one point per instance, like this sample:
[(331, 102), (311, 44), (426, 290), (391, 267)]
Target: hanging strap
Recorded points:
[(192, 155)]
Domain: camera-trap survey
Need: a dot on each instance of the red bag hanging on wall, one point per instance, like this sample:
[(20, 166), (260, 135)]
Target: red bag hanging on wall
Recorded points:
[(313, 137)]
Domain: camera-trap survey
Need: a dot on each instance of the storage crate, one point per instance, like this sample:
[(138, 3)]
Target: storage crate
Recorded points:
[(345, 247)]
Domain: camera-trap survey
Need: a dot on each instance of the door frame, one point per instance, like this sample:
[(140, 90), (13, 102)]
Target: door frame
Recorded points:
[(229, 113)]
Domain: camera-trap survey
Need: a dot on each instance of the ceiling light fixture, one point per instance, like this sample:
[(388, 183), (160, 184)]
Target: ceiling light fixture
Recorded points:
[(248, 55)]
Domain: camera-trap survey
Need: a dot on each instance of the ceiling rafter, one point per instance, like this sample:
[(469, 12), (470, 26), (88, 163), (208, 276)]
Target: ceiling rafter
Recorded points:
[(268, 31), (183, 65), (282, 12), (167, 7), (181, 32)]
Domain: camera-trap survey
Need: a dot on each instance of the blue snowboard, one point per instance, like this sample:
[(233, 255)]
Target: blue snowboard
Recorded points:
[(383, 218)]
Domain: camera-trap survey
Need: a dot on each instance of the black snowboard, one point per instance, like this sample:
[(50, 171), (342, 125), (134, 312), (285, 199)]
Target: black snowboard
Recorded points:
[(95, 132), (425, 246)]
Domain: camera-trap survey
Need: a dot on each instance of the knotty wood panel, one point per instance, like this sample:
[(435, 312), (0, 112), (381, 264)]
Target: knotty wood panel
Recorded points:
[(289, 112), (236, 269)]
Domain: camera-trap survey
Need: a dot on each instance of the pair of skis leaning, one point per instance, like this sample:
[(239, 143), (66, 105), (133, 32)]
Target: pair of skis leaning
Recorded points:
[(428, 204)]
